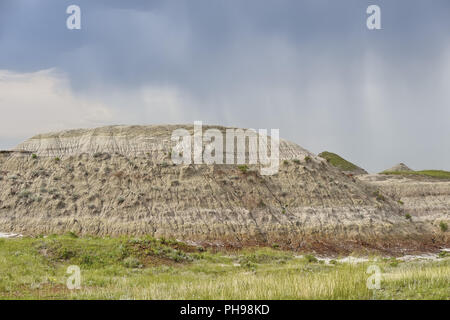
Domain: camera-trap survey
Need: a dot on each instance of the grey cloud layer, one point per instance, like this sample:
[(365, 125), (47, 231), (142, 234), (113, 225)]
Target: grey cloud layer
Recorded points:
[(310, 68)]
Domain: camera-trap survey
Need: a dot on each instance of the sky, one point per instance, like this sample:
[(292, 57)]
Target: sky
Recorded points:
[(310, 68)]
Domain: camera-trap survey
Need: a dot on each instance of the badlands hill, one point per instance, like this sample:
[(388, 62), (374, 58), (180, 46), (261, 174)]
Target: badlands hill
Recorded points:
[(120, 180), (401, 167)]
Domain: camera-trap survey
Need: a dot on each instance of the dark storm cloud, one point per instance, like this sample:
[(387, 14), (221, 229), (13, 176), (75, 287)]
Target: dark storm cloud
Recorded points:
[(310, 68)]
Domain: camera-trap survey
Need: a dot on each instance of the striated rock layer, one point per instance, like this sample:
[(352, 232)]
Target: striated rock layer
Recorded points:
[(425, 199), (119, 180), (153, 142)]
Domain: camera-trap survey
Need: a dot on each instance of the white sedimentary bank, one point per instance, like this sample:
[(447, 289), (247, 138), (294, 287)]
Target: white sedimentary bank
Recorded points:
[(10, 235), (208, 147)]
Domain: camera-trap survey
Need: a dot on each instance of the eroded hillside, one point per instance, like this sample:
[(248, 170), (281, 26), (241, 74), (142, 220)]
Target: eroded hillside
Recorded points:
[(101, 188), (423, 198)]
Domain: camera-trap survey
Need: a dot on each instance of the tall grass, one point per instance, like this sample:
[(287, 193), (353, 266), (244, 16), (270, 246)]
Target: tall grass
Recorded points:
[(36, 269)]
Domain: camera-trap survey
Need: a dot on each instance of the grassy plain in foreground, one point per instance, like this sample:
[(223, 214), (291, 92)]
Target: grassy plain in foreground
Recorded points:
[(148, 268)]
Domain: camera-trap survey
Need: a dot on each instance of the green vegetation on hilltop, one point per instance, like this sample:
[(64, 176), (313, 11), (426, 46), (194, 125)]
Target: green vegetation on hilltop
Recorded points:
[(440, 174), (339, 162), (148, 268)]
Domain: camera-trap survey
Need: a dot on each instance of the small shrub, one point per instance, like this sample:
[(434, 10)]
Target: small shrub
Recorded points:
[(408, 216), (443, 254), (296, 161), (72, 234), (310, 258), (57, 159), (400, 202), (24, 194), (34, 156), (377, 194), (248, 265), (308, 159), (65, 253), (243, 168), (124, 251), (443, 226), (265, 255), (393, 262), (285, 162), (87, 260), (131, 262), (120, 200), (177, 256), (60, 205)]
